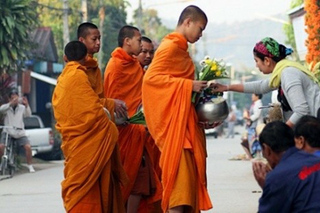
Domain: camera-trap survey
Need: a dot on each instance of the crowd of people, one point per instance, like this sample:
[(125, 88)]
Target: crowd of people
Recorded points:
[(161, 167)]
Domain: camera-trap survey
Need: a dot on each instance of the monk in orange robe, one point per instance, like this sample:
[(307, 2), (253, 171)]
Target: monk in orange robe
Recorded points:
[(145, 58), (123, 80), (93, 170), (172, 120), (89, 34)]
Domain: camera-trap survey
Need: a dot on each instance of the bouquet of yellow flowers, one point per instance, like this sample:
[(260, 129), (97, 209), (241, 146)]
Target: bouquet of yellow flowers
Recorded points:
[(210, 69)]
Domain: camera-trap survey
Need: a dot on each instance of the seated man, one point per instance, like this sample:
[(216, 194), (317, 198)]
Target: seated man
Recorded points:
[(292, 185), (307, 134), (14, 111)]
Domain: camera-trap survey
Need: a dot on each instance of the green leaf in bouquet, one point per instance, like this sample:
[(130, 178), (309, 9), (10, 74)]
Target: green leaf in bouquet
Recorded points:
[(138, 118)]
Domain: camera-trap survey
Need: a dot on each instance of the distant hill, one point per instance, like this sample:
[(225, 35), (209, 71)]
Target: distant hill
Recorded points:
[(234, 42)]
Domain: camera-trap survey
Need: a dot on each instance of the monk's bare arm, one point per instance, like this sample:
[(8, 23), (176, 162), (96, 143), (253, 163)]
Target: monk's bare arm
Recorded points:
[(199, 86), (115, 106)]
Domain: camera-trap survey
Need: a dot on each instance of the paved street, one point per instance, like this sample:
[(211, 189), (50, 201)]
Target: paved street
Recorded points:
[(33, 192), (231, 184)]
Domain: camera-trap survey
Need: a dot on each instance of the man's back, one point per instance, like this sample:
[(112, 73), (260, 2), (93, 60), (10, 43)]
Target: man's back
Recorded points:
[(293, 185)]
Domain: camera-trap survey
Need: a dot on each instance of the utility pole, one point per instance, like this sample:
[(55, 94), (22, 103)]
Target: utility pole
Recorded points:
[(102, 15), (66, 36), (84, 10), (139, 16)]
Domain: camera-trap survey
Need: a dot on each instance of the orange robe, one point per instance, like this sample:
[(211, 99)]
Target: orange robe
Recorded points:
[(123, 80), (172, 120), (93, 170), (94, 75), (155, 155)]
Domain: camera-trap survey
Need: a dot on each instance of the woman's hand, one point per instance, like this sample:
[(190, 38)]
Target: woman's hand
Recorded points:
[(216, 87), (199, 86)]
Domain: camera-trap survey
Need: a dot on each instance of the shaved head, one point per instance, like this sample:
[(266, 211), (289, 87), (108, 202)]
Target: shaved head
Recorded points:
[(126, 31), (194, 13), (146, 39), (83, 29)]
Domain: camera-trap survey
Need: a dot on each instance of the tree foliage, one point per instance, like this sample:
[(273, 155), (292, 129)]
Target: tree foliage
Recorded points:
[(288, 29), (51, 15), (114, 18), (17, 19), (150, 24)]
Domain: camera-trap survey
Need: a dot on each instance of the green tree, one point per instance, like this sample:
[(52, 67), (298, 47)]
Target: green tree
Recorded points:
[(151, 24), (288, 29), (51, 15), (113, 14), (114, 17), (17, 19)]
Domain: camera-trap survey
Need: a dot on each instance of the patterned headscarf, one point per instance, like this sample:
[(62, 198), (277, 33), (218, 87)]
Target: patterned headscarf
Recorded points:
[(270, 48)]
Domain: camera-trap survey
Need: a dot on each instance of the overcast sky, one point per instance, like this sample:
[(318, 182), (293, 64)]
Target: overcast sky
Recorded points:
[(218, 11)]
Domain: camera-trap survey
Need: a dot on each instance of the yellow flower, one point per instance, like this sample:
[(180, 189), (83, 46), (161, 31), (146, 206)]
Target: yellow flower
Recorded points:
[(218, 73), (207, 61), (214, 66)]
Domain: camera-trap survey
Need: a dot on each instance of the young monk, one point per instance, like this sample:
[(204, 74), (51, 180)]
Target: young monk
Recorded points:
[(123, 80), (93, 170), (89, 34), (171, 117), (147, 52), (145, 58)]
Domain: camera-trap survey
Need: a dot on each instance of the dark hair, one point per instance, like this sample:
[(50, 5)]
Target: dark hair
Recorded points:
[(75, 51), (146, 39), (258, 95), (14, 91), (278, 136), (126, 31), (194, 13), (308, 127), (83, 29)]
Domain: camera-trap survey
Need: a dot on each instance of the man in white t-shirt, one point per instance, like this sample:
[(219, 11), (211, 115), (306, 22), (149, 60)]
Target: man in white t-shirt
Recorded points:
[(15, 110)]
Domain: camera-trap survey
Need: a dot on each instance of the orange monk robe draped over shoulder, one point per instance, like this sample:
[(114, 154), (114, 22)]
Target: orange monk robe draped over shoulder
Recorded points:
[(123, 80), (94, 75), (89, 143), (171, 117)]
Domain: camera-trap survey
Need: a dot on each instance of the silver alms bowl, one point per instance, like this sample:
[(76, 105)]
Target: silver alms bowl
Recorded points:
[(215, 110)]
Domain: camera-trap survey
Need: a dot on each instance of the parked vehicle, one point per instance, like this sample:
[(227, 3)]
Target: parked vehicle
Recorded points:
[(43, 143)]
